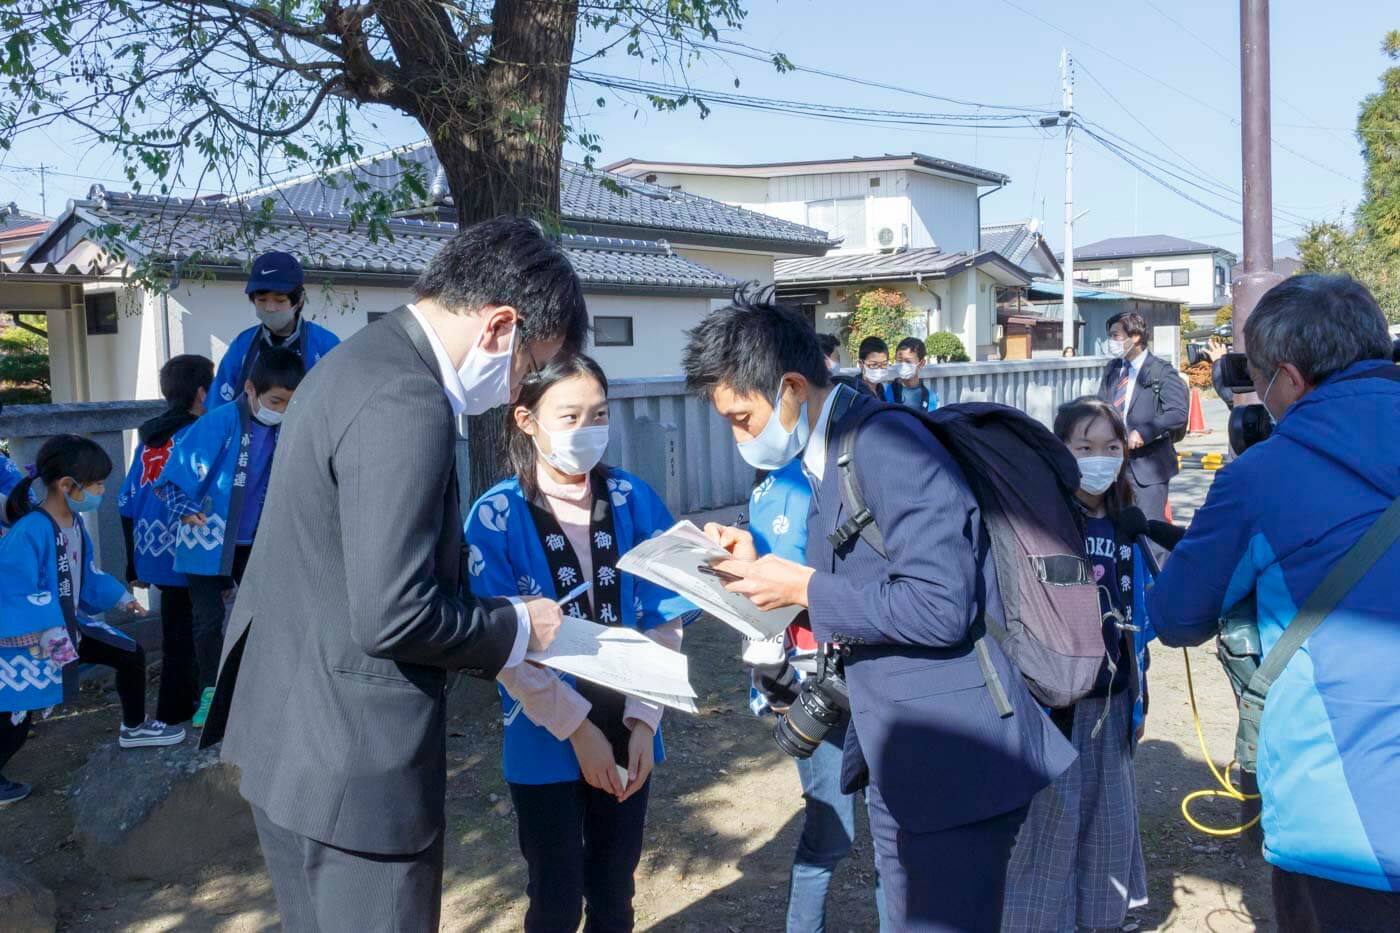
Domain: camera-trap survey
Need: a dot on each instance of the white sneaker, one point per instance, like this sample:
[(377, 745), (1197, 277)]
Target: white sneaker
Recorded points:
[(149, 734)]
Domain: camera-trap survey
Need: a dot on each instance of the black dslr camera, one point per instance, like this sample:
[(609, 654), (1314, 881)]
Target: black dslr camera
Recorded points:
[(1249, 424), (819, 707)]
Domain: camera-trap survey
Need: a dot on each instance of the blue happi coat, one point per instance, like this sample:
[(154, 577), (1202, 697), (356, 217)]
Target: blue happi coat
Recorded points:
[(311, 343), (30, 601), (506, 558), (201, 467), (154, 529), (10, 477)]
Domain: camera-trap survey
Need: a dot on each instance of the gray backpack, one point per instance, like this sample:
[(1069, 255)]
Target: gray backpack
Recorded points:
[(1023, 478)]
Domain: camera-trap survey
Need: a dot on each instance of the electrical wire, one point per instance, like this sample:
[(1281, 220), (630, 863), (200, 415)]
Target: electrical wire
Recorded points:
[(1226, 790)]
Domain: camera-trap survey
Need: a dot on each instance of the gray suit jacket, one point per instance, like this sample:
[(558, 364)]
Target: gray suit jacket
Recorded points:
[(331, 694)]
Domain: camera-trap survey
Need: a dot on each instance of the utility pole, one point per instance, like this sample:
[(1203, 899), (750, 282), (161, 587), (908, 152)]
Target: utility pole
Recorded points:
[(1067, 115), (43, 190), (1256, 141)]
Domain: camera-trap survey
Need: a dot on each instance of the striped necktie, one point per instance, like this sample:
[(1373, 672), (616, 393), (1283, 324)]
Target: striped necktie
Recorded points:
[(1120, 386)]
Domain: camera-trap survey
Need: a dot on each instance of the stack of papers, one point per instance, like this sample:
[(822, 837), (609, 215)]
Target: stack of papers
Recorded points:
[(621, 659), (681, 559)]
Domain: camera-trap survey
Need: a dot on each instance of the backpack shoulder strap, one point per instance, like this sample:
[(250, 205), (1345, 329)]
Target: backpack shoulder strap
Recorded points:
[(1344, 575), (859, 522)]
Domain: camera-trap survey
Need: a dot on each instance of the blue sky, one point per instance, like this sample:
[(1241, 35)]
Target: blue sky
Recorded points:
[(1140, 75)]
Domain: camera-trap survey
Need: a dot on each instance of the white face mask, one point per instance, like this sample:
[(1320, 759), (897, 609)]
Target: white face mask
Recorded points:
[(907, 370), (1117, 349), (877, 376), (576, 451), (277, 321), (776, 446), (486, 377), (267, 416), (1096, 474)]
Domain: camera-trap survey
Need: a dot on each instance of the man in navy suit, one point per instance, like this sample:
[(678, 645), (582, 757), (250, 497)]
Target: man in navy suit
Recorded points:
[(947, 779), (1149, 394)]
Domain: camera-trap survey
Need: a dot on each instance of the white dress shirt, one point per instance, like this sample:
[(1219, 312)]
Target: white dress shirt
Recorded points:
[(457, 396), (1134, 367), (814, 457)]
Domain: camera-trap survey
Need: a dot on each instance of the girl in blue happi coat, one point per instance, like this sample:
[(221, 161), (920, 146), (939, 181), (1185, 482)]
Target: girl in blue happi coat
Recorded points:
[(578, 758), (10, 477), (150, 530), (47, 586), (214, 484)]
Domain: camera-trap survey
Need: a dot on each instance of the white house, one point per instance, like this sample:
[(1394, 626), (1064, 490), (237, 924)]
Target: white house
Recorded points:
[(911, 223), (1191, 273), (653, 263), (18, 231)]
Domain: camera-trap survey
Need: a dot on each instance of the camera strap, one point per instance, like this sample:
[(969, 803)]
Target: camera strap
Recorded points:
[(1344, 575)]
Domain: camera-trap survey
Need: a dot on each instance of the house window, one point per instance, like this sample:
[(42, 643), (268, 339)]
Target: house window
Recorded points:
[(101, 313), (1171, 278), (843, 217), (612, 331)]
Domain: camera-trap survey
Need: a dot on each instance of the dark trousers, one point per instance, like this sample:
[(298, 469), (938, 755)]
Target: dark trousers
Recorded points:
[(130, 668), (951, 880), (179, 673), (322, 889), (580, 845), (207, 605), (1307, 904), (12, 737), (1152, 499)]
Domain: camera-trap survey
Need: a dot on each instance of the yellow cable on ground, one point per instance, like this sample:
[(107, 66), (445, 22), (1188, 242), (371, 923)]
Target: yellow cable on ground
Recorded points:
[(1226, 790)]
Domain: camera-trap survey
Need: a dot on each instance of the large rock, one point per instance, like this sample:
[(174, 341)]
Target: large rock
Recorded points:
[(26, 906), (159, 812)]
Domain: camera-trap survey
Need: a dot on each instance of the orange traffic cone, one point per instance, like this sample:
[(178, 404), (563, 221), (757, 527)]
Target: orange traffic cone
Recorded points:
[(1196, 423)]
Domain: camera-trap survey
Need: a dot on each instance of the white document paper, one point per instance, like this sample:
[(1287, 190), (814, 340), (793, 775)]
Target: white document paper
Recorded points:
[(621, 659), (674, 559)]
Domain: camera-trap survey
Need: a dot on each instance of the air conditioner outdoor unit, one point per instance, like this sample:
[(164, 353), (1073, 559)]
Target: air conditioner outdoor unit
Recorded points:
[(885, 237)]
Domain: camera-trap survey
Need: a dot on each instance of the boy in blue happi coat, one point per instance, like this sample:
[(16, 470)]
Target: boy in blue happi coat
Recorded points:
[(150, 530), (578, 757), (214, 484), (277, 290), (47, 585)]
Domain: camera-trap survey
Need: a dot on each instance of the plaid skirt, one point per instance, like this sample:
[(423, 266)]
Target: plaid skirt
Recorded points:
[(1078, 860)]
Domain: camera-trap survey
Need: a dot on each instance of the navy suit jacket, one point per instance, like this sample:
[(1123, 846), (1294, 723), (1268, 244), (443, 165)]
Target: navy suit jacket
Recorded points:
[(1155, 461), (925, 733)]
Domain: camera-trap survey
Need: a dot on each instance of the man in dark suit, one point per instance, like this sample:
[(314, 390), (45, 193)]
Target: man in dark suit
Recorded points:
[(331, 693), (1151, 396), (948, 780)]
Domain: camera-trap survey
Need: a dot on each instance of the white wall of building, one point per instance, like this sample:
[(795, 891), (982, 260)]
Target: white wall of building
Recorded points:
[(944, 212), (1142, 272), (658, 333)]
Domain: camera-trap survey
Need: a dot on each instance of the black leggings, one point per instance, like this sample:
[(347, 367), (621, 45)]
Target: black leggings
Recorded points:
[(207, 604), (179, 673), (12, 736), (130, 666)]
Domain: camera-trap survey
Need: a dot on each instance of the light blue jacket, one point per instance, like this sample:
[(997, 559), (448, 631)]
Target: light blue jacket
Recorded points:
[(30, 602), (314, 342), (505, 558), (778, 522), (1275, 522), (154, 529)]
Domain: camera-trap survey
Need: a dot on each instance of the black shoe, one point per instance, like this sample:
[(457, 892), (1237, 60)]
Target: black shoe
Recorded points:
[(12, 791)]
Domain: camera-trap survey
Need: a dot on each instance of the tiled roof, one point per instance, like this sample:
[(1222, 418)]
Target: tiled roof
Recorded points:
[(907, 264), (175, 228), (1014, 241), (13, 220), (1130, 247), (584, 201)]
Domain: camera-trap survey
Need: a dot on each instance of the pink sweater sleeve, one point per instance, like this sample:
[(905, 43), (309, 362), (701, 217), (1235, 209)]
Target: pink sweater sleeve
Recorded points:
[(667, 635), (546, 700)]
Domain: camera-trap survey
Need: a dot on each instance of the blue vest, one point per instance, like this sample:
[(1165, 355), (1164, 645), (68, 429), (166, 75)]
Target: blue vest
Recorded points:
[(506, 558), (154, 529), (311, 344)]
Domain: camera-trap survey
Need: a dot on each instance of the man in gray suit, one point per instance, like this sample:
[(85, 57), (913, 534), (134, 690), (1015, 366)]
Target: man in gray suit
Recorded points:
[(331, 692)]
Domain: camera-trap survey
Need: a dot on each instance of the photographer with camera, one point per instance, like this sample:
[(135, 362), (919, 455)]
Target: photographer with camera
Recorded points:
[(948, 774), (1280, 526)]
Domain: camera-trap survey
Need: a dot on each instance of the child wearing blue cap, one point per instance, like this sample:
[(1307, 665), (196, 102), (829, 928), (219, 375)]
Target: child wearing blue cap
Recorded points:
[(277, 289)]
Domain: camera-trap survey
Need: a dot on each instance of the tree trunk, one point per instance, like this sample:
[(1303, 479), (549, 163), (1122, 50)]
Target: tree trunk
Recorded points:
[(500, 147)]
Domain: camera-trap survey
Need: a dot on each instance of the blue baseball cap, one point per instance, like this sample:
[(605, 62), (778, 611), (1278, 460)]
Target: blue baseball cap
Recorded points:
[(275, 272)]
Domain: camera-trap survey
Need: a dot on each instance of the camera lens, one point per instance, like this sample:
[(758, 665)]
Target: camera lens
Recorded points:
[(819, 706)]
